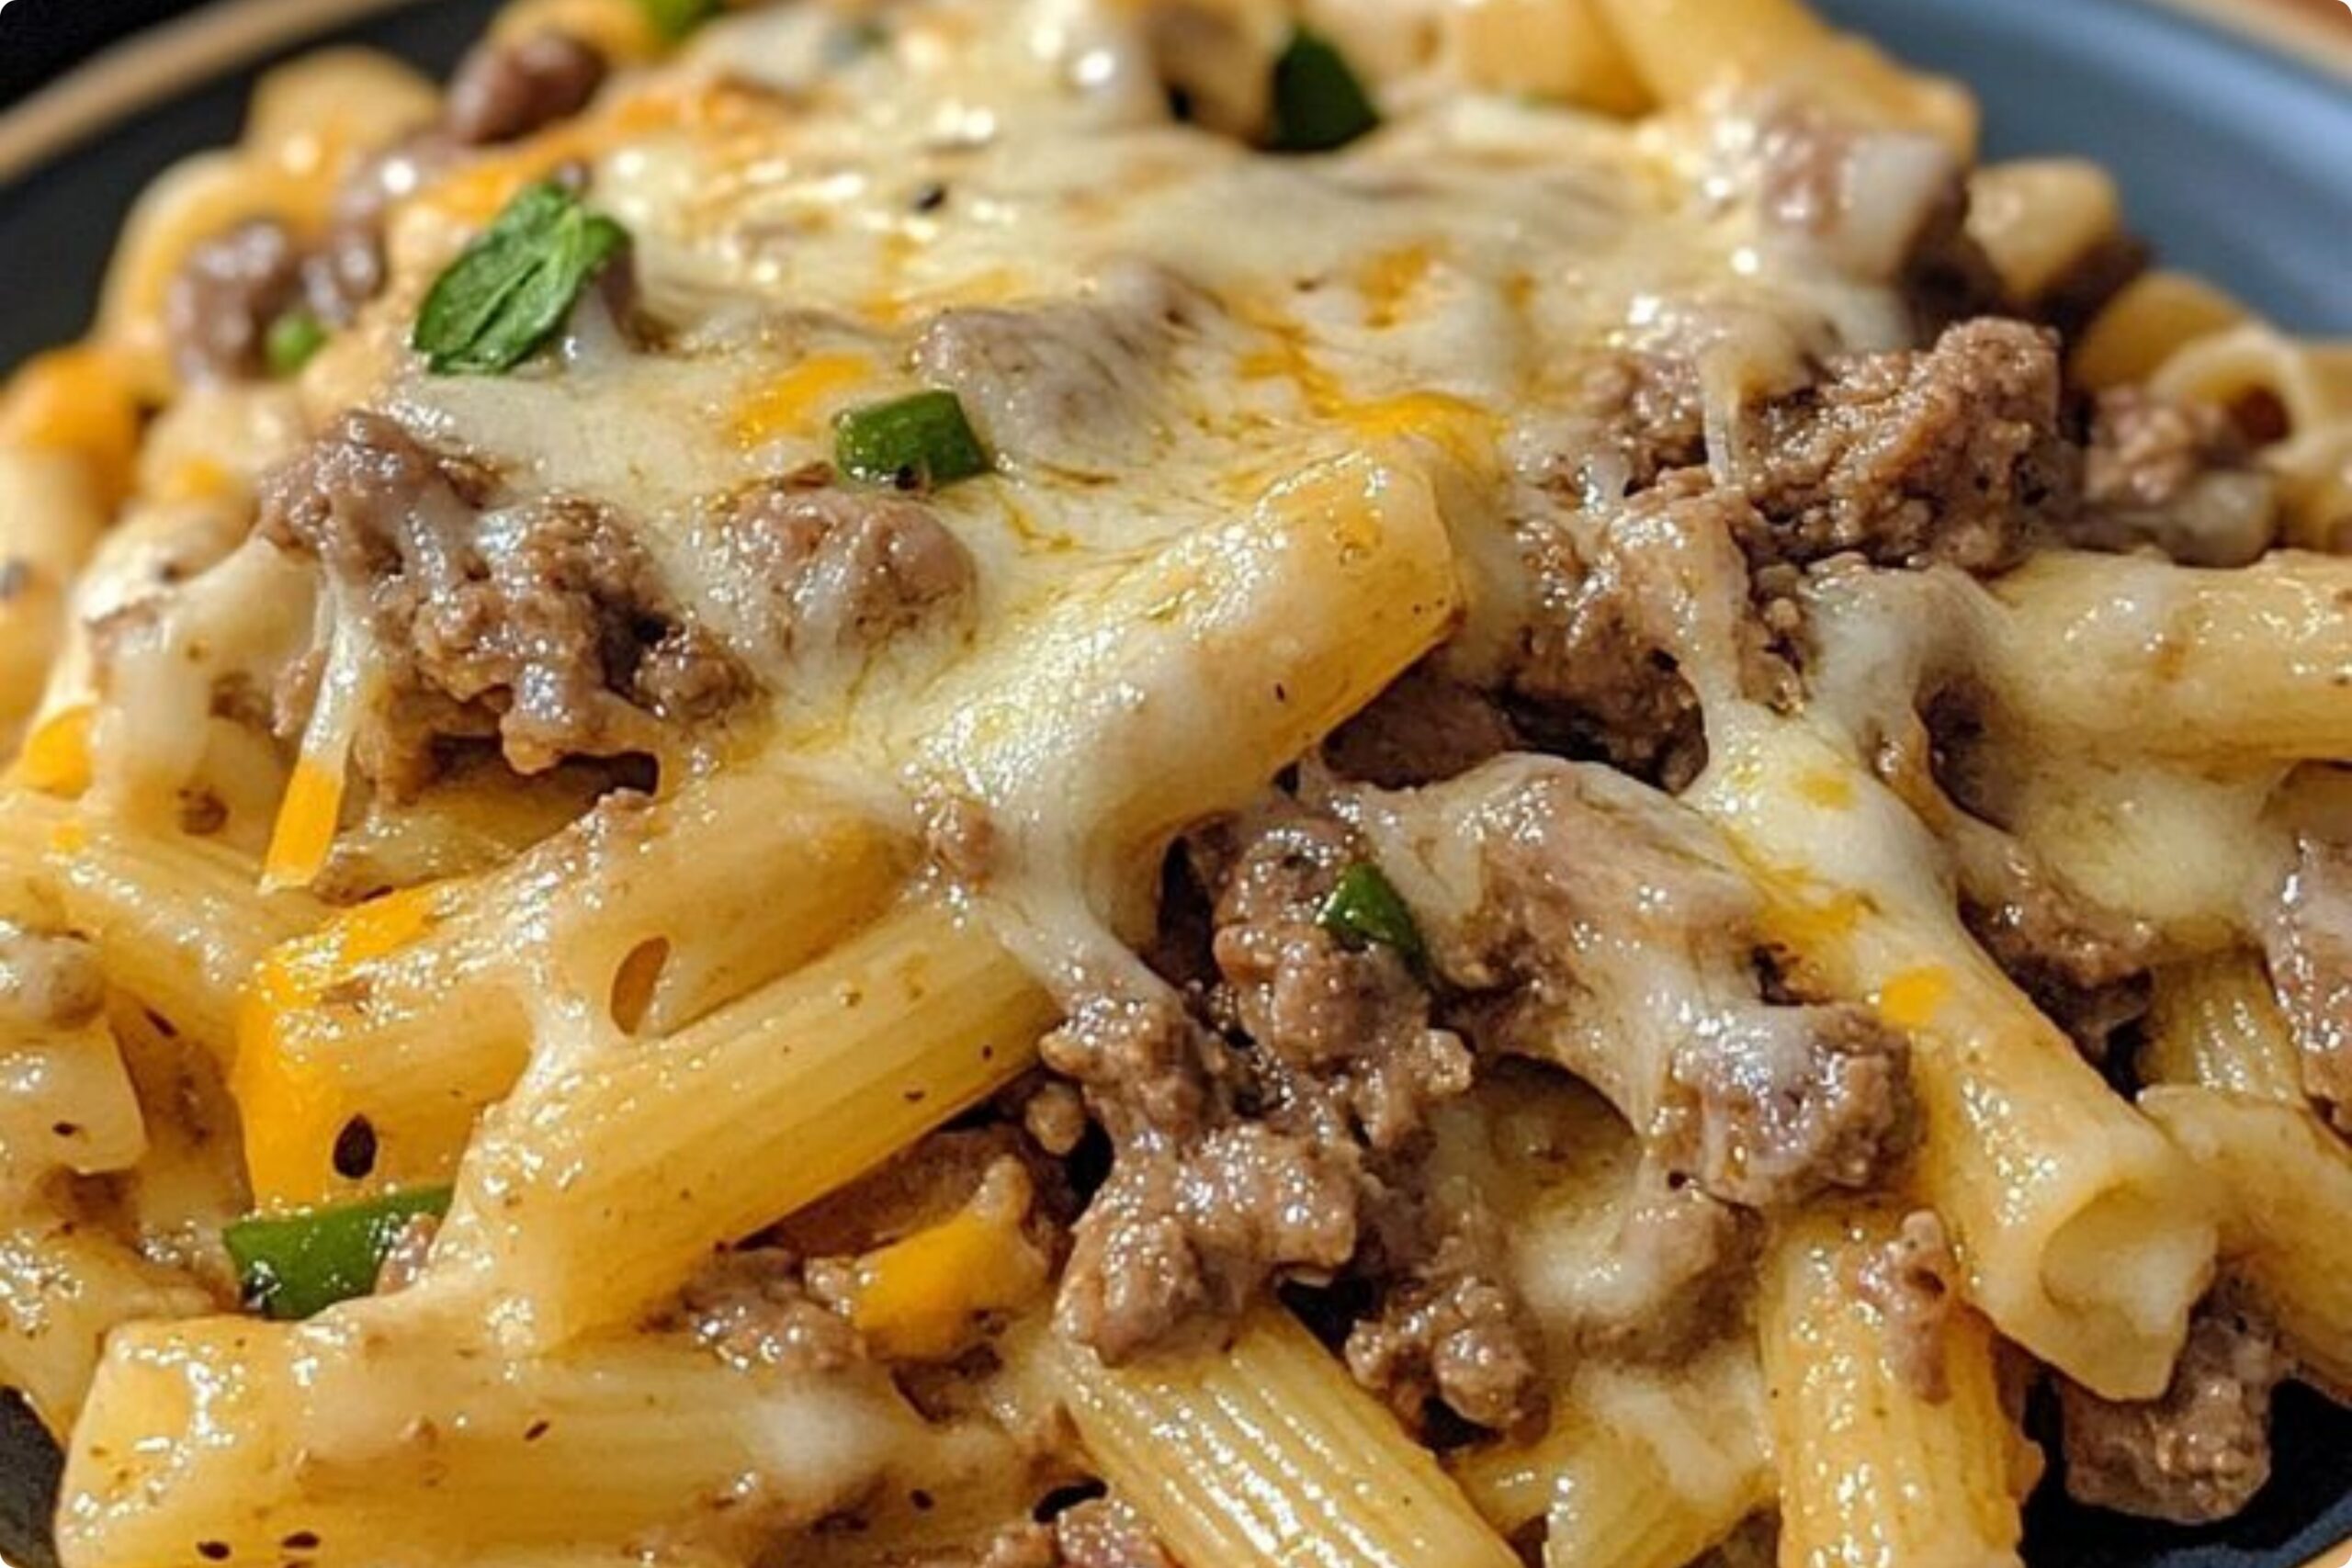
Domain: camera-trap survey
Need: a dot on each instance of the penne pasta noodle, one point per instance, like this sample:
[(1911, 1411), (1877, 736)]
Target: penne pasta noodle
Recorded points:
[(1871, 1470), (1199, 783), (596, 1193), (1640, 1467), (66, 1285), (413, 1011), (2216, 1021), (1263, 1454), (2217, 666), (342, 1435), (2080, 1227), (2284, 1179)]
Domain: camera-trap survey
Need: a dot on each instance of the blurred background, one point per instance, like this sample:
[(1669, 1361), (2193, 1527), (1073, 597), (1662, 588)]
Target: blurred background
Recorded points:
[(41, 38)]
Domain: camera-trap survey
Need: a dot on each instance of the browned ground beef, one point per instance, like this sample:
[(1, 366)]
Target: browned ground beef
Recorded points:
[(1449, 1329), (1915, 1284), (2309, 944), (1423, 730), (753, 1309), (1784, 1110), (506, 90), (1766, 1104), (813, 568), (218, 306), (1591, 679), (2179, 476), (543, 625), (2083, 965), (2195, 1453), (1272, 1128), (1949, 454), (1106, 1533)]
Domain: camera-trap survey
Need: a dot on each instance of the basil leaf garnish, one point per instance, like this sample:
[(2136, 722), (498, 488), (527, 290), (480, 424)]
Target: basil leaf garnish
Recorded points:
[(501, 299)]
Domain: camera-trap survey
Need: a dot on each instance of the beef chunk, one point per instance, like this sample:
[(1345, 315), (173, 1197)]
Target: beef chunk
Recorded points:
[(753, 1309), (2085, 967), (1423, 730), (1603, 927), (1947, 455), (1356, 1019), (1453, 1329), (218, 306), (504, 91), (816, 570), (2195, 1453), (1914, 1282), (2307, 941), (543, 625), (2179, 476), (1620, 599), (1787, 1102), (1265, 1147), (1202, 1207)]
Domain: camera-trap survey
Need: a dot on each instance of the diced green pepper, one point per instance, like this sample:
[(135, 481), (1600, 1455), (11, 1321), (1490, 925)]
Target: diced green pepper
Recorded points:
[(1319, 103), (1365, 908), (292, 339), (294, 1266), (916, 443)]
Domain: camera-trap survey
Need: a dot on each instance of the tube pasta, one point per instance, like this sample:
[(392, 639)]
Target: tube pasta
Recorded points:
[(2081, 1229), (1640, 1467), (2216, 1021), (353, 1432), (2286, 1181), (412, 1010), (64, 1287), (1872, 1471), (2155, 317), (177, 920), (50, 516), (2218, 667), (598, 1193), (1616, 318), (1685, 49), (1263, 1454), (2038, 218), (1335, 587)]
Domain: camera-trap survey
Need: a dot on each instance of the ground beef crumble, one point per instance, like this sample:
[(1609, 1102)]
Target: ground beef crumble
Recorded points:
[(543, 624), (1915, 1282), (1270, 1129), (2195, 1453)]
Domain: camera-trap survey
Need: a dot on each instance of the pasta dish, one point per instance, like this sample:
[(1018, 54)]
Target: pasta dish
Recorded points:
[(1164, 783)]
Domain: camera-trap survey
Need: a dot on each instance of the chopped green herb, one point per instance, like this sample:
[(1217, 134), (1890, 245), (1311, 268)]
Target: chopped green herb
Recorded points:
[(674, 19), (1319, 103), (292, 339), (854, 40), (916, 443), (303, 1264), (1365, 908), (506, 296)]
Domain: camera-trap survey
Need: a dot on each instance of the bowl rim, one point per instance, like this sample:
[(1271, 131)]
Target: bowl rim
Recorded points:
[(228, 34)]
